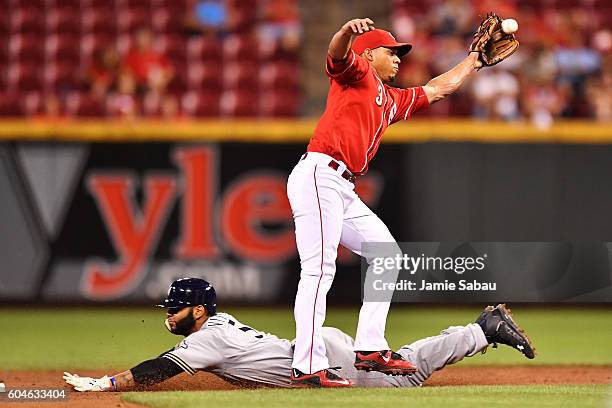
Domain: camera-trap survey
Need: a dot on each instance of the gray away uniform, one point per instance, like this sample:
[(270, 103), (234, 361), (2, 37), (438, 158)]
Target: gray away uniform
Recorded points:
[(238, 353)]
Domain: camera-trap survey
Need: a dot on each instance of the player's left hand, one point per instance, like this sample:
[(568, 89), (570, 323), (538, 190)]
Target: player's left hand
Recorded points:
[(491, 43), (88, 383)]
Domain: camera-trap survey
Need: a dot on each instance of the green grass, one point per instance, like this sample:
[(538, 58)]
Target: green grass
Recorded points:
[(119, 338), (431, 397)]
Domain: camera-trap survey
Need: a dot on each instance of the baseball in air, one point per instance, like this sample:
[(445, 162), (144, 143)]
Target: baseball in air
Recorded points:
[(509, 26)]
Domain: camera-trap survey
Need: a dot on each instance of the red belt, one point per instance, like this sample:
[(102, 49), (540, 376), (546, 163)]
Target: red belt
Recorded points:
[(334, 165), (345, 174)]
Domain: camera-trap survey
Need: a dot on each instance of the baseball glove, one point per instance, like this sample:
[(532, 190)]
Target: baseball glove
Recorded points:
[(491, 43)]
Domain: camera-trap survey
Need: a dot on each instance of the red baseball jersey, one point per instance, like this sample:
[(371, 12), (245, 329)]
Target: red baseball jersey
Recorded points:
[(359, 109)]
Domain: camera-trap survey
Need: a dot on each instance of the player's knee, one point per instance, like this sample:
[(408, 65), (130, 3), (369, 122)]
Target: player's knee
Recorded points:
[(379, 252), (317, 272)]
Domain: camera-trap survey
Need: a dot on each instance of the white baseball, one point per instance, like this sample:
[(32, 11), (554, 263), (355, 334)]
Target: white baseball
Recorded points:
[(509, 26)]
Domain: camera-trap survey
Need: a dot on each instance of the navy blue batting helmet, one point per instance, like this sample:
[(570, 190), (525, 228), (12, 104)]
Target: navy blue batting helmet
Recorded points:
[(186, 292)]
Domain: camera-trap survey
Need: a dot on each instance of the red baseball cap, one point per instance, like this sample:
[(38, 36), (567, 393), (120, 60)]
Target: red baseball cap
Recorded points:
[(379, 38)]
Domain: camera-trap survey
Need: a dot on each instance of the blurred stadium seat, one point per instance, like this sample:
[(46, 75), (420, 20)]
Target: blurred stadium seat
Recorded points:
[(167, 21), (201, 104), (241, 47), (280, 75), (131, 19), (22, 4), (65, 4), (204, 49), (80, 104), (26, 48), (11, 104), (178, 84), (171, 5), (239, 75), (173, 46), (98, 4), (62, 77), (152, 105), (64, 21), (23, 77), (62, 48), (239, 103), (280, 103), (40, 38), (205, 76), (47, 48), (27, 20), (133, 4), (99, 21), (92, 44)]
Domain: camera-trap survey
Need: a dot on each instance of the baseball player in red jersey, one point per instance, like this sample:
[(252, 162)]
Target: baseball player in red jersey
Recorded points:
[(326, 210)]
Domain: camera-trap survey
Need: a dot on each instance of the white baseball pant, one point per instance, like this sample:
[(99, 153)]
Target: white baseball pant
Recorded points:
[(327, 212)]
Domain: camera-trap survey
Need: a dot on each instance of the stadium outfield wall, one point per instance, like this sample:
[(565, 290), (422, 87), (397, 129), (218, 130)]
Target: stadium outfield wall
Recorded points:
[(296, 131), (112, 212)]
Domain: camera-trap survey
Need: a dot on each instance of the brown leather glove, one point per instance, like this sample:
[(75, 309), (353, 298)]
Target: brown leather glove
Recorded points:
[(491, 43)]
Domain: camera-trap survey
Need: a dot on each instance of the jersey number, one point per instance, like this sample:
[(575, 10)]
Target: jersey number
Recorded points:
[(246, 329), (379, 98)]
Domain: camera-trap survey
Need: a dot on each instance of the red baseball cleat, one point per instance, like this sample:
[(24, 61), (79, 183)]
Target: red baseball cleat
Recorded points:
[(320, 379), (386, 361)]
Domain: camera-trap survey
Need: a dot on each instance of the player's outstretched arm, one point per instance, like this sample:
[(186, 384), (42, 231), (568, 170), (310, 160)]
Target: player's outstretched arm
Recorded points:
[(447, 83), (147, 373), (340, 43)]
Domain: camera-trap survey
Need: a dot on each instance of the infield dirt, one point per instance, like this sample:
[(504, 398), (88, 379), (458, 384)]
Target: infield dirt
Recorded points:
[(205, 382)]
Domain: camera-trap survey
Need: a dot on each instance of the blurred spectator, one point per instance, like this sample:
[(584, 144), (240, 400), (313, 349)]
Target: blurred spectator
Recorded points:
[(599, 97), (506, 9), (414, 73), (170, 108), (495, 92), (448, 52), (161, 105), (50, 110), (209, 17), (557, 71), (280, 29), (562, 68), (414, 68), (543, 101), (102, 75), (453, 18), (124, 102), (148, 68), (52, 107), (541, 62), (575, 60), (602, 41), (403, 25)]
